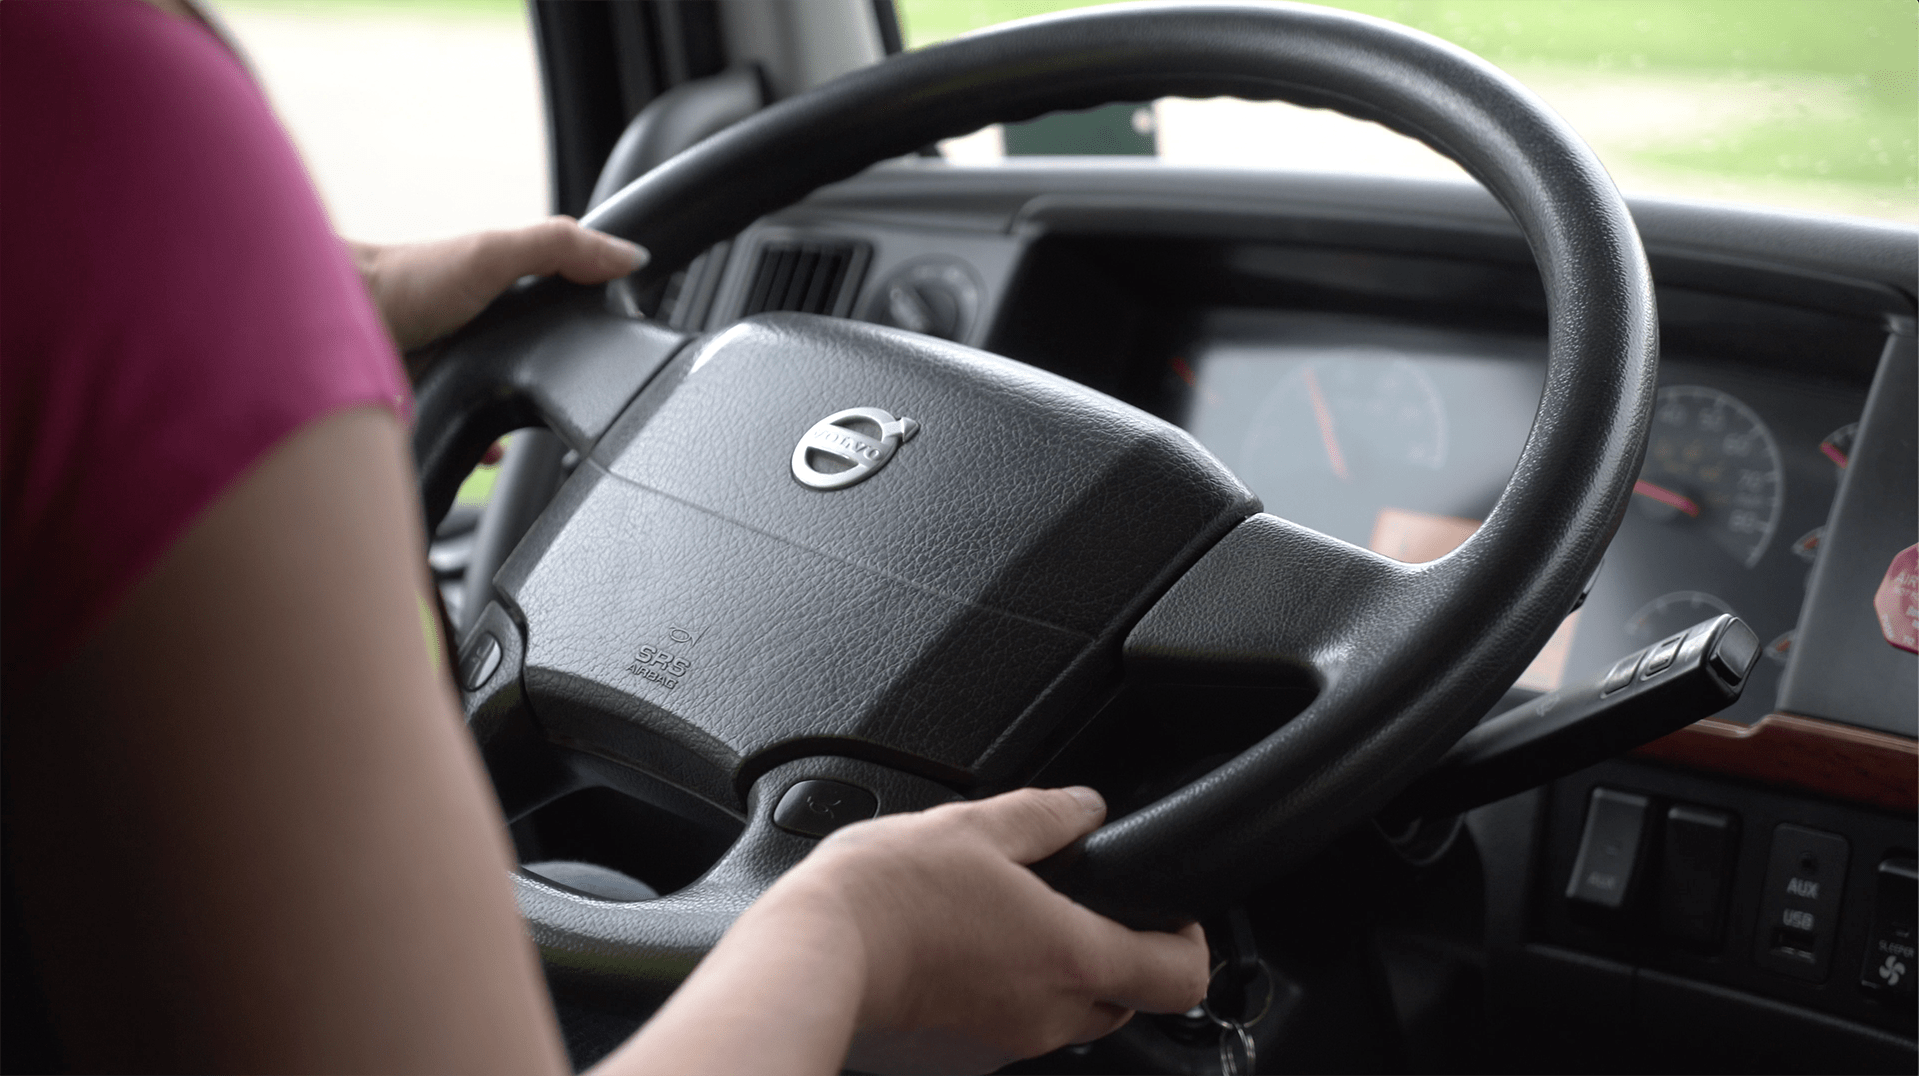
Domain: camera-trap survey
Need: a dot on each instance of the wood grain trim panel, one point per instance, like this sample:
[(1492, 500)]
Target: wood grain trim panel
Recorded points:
[(1805, 753)]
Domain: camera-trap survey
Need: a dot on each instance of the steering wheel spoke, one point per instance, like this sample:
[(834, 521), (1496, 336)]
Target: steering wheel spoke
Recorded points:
[(1273, 600), (638, 951), (549, 354)]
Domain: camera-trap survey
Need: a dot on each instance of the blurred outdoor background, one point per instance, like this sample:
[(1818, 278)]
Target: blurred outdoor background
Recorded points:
[(1808, 104), (418, 119), (422, 118)]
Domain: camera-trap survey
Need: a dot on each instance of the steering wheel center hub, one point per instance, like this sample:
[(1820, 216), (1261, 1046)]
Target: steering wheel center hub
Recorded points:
[(693, 611)]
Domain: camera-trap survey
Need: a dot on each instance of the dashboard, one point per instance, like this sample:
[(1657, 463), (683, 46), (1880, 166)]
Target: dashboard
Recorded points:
[(1373, 379), (1367, 355)]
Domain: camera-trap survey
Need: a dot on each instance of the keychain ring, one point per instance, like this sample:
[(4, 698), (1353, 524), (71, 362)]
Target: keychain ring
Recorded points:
[(1265, 1005)]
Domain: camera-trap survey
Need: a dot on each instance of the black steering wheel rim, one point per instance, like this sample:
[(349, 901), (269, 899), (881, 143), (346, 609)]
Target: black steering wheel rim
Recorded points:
[(1406, 657)]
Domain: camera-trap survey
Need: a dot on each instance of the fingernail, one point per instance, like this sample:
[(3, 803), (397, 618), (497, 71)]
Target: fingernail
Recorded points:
[(635, 253), (1089, 799)]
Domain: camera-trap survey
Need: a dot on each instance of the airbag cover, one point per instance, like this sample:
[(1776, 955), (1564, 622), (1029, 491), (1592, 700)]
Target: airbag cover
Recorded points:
[(692, 607)]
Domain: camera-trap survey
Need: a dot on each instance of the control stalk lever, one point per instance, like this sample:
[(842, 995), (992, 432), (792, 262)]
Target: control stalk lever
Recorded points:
[(1644, 696)]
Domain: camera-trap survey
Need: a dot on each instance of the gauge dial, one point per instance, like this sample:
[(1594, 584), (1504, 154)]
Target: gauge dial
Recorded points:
[(1712, 465), (1352, 415), (1672, 613)]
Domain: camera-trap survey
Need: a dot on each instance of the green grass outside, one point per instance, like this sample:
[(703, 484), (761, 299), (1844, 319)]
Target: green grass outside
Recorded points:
[(478, 486), (1852, 38), (1866, 150), (1871, 47)]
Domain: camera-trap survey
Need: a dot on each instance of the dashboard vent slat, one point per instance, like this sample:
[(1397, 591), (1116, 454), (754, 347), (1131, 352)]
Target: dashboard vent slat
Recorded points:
[(806, 276)]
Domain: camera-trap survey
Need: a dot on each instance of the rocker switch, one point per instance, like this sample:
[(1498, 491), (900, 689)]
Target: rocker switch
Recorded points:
[(1890, 962), (1609, 849), (1695, 873)]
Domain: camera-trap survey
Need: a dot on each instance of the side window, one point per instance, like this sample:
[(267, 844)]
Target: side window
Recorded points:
[(418, 119)]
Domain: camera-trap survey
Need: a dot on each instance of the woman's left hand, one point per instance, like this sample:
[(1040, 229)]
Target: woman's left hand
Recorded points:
[(426, 290)]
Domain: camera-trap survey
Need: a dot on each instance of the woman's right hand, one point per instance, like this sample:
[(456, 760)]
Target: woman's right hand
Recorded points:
[(922, 942), (971, 960)]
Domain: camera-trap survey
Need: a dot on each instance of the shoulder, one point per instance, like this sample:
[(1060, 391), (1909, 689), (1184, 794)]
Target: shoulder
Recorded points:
[(115, 77), (177, 302), (140, 132)]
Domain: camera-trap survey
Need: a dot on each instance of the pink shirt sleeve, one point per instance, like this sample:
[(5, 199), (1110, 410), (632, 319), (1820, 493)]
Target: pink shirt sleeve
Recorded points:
[(175, 303)]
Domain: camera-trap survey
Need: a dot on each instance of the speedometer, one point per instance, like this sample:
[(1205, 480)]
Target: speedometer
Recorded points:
[(1355, 414), (1712, 466)]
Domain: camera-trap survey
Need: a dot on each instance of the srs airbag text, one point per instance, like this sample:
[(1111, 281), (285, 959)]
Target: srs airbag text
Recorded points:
[(659, 666)]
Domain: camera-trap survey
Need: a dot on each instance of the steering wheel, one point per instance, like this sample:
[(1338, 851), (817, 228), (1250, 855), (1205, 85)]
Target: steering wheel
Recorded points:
[(695, 622)]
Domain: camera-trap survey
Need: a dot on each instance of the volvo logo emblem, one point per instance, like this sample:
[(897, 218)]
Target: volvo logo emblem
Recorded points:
[(849, 446)]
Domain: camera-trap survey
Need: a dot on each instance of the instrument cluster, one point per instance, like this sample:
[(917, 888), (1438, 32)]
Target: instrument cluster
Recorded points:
[(1400, 438)]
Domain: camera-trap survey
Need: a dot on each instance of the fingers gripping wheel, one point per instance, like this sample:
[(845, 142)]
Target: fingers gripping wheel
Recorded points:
[(951, 614)]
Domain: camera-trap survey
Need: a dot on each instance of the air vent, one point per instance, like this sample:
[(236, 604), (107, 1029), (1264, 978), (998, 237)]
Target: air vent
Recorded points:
[(808, 276)]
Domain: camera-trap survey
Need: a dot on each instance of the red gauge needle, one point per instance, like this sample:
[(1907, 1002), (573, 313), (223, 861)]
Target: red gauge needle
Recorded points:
[(1666, 496), (1324, 416)]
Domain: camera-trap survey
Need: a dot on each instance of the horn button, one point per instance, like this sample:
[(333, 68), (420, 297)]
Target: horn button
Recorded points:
[(695, 607)]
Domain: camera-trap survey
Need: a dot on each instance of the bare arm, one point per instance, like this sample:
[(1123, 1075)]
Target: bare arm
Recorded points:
[(252, 831)]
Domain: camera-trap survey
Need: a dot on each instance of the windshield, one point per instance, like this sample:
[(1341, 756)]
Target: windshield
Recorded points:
[(423, 119), (1801, 104)]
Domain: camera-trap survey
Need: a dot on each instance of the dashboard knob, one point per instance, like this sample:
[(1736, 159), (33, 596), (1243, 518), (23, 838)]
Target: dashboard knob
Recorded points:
[(936, 297)]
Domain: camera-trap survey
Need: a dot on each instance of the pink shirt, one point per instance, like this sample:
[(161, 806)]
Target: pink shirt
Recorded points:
[(173, 303)]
